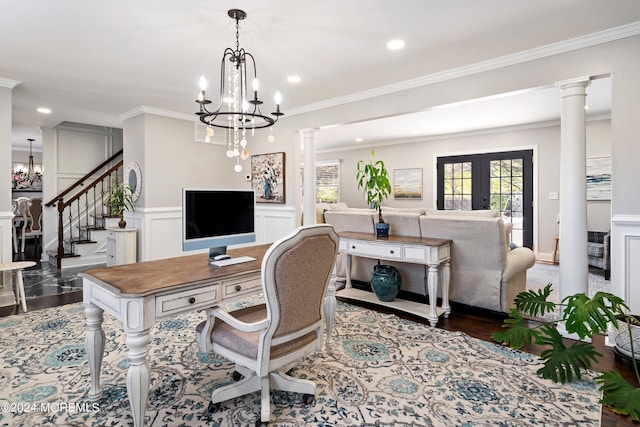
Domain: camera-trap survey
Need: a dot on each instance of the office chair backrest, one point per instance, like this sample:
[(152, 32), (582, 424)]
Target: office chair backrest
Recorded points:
[(295, 276)]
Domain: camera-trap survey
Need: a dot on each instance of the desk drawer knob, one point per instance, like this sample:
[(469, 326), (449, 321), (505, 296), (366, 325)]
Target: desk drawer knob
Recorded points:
[(353, 247), (391, 251), (238, 288), (192, 300)]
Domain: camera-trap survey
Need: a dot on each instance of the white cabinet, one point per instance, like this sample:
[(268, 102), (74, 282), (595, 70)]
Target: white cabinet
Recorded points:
[(121, 246)]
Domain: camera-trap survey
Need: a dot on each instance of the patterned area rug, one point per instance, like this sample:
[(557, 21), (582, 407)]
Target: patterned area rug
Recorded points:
[(382, 371)]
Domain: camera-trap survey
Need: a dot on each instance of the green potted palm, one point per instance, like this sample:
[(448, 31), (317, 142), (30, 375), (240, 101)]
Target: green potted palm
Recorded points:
[(119, 198), (586, 317), (373, 180)]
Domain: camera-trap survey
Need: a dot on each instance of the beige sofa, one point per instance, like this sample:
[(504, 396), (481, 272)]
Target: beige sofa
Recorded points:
[(484, 271)]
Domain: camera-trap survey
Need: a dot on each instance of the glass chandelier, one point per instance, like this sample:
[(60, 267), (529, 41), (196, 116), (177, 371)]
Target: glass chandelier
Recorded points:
[(236, 111)]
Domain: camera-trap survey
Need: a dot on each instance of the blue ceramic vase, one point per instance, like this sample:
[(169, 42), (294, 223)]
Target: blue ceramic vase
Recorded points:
[(385, 282)]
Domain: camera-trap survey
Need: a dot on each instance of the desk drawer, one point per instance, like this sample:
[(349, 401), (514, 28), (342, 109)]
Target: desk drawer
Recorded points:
[(372, 250), (240, 287), (188, 300)]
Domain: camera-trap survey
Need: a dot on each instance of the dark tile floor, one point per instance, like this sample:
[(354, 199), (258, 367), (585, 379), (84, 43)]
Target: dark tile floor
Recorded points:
[(44, 280)]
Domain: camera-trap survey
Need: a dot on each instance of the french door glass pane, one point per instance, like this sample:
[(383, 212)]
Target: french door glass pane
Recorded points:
[(457, 186), (506, 185)]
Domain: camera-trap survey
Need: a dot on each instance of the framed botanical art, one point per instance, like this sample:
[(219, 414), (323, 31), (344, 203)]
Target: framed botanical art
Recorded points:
[(267, 177), (407, 184), (599, 178)]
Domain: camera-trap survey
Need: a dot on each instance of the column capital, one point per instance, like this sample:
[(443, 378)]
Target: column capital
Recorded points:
[(309, 132), (578, 82)]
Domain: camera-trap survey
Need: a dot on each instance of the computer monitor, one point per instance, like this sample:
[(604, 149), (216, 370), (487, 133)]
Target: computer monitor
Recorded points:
[(213, 219)]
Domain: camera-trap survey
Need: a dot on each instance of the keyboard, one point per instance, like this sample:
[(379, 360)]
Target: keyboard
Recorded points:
[(231, 261)]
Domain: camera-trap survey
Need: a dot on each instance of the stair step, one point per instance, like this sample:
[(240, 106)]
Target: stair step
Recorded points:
[(92, 227), (82, 241), (54, 254)]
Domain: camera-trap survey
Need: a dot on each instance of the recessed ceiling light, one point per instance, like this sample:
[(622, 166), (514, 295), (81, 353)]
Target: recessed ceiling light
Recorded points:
[(293, 79), (44, 110), (359, 139), (395, 44)]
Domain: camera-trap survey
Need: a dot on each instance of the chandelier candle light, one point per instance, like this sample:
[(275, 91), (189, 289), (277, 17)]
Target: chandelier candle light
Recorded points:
[(235, 111)]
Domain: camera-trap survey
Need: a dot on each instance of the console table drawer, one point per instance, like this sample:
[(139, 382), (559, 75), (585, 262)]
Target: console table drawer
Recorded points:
[(240, 287), (176, 302), (373, 250)]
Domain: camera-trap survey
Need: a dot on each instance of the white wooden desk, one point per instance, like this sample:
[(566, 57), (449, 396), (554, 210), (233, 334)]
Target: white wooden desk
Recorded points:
[(139, 295), (418, 250)]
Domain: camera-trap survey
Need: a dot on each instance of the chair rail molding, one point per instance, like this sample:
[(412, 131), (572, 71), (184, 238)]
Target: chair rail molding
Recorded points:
[(625, 252)]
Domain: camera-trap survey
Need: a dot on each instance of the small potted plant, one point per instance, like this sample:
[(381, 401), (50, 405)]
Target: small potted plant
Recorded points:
[(119, 198), (585, 317), (373, 179)]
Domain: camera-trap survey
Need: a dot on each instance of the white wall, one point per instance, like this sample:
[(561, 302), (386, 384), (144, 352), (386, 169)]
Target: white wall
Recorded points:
[(170, 159)]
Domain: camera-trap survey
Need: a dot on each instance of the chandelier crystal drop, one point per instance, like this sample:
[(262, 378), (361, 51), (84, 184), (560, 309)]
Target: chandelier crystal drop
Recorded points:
[(236, 110)]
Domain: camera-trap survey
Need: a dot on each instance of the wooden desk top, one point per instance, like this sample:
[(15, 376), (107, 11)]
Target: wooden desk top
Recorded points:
[(149, 277), (371, 237)]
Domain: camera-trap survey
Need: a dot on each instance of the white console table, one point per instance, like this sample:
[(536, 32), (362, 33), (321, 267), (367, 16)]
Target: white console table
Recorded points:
[(417, 250)]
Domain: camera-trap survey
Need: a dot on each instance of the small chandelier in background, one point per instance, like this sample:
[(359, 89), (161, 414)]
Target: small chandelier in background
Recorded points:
[(31, 172), (236, 111)]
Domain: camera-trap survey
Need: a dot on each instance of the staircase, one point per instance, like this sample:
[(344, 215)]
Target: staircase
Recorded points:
[(82, 222)]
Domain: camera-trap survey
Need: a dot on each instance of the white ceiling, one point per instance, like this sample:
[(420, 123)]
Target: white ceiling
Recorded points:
[(92, 61)]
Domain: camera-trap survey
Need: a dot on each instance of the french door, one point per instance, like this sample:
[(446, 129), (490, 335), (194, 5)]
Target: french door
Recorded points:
[(500, 181)]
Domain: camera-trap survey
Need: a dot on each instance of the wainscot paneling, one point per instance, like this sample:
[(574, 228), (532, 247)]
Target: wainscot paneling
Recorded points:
[(625, 257), (160, 229)]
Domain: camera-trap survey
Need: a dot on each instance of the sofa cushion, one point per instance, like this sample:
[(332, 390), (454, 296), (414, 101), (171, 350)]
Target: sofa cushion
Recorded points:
[(403, 223), (478, 255), (460, 213), (387, 209), (359, 222), (338, 206), (320, 210)]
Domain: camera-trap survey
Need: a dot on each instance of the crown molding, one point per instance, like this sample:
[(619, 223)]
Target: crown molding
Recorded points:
[(599, 37), (8, 83), (463, 134), (143, 109)]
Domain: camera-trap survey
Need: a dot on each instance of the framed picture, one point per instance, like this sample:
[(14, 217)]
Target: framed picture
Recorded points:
[(407, 183), (599, 178), (267, 177)]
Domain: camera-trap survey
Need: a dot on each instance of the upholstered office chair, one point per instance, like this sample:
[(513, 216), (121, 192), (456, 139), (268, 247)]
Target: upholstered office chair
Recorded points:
[(265, 340)]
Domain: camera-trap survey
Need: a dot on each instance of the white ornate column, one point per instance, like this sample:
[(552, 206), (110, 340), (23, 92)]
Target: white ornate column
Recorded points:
[(574, 267), (309, 203), (6, 214)]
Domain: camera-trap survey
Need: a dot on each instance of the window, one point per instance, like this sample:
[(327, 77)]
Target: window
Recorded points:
[(327, 181)]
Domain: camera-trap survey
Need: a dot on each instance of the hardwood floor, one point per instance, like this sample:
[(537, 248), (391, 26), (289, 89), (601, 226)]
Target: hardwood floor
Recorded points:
[(476, 323)]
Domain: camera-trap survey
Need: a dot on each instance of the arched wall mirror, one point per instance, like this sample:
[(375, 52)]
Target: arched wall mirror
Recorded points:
[(134, 179)]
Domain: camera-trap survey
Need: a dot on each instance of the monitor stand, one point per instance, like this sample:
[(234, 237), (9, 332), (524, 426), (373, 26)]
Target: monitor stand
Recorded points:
[(220, 250)]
